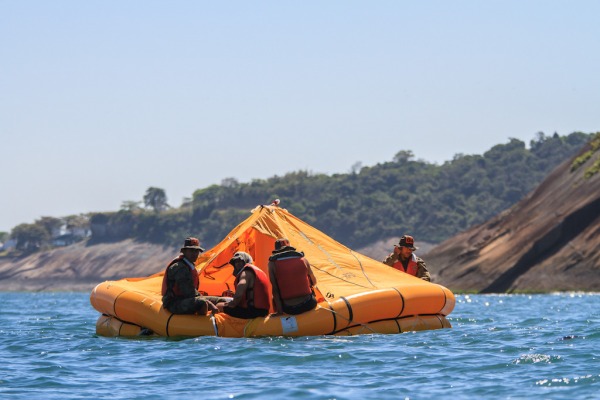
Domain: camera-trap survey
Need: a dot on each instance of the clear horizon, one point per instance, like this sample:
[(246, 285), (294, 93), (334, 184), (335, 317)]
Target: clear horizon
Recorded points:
[(101, 100)]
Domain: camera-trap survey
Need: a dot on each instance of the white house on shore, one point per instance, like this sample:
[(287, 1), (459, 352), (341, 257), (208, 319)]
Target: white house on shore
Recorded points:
[(8, 245)]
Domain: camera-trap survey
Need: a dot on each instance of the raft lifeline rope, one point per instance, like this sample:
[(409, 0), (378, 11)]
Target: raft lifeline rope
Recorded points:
[(214, 324), (365, 326)]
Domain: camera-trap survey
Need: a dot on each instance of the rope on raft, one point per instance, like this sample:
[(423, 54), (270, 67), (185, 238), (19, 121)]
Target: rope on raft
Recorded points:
[(366, 326)]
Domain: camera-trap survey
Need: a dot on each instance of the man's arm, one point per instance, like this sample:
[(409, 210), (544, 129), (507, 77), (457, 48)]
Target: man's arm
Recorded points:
[(240, 289), (422, 271), (390, 260), (311, 276), (277, 304)]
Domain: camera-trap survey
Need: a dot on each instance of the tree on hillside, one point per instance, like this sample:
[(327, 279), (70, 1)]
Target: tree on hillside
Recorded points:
[(403, 156), (356, 167), (206, 200), (77, 221), (77, 225), (3, 236), (52, 225), (30, 237), (230, 182), (156, 199), (186, 202)]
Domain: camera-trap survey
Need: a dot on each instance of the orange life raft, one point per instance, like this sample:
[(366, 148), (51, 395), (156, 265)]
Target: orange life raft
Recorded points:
[(356, 294)]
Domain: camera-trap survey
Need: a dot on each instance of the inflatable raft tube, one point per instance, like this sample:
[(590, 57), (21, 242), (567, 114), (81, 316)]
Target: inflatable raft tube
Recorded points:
[(109, 326), (390, 310)]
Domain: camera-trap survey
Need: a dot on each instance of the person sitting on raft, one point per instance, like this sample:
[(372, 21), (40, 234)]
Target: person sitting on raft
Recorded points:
[(181, 282), (251, 298), (292, 280), (403, 259)]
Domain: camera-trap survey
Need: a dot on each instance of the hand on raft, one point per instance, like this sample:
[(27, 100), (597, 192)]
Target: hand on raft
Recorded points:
[(212, 309)]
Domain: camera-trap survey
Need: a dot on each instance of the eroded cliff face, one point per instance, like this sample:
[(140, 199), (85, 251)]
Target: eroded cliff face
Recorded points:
[(81, 267), (548, 241)]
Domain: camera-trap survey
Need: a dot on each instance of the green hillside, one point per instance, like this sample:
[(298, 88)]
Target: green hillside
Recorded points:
[(432, 202)]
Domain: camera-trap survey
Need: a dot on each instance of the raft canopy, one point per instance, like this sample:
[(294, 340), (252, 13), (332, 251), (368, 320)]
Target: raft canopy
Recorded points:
[(339, 270)]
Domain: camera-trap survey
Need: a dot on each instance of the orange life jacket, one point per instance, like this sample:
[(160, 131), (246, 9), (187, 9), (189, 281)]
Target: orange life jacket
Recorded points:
[(411, 269), (292, 277), (173, 286), (260, 298)]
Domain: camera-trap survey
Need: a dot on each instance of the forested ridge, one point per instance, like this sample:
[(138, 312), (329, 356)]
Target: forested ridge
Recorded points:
[(432, 202)]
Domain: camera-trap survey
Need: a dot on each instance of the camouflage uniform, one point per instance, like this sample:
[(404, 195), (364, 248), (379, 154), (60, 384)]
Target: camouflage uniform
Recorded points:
[(190, 301), (422, 271)]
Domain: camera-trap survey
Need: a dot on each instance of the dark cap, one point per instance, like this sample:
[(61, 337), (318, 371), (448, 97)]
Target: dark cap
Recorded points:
[(242, 256), (192, 243), (407, 241), (281, 243)]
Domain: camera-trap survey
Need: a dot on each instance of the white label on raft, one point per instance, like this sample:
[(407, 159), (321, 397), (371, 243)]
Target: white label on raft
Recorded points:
[(289, 324)]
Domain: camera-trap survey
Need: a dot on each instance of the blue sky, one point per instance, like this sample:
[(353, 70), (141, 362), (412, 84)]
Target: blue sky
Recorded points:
[(100, 100)]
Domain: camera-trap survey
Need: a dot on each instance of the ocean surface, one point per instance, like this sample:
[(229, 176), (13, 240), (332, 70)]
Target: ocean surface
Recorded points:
[(500, 347)]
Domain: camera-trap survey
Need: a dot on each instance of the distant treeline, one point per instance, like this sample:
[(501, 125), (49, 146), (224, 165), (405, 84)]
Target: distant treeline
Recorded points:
[(432, 202)]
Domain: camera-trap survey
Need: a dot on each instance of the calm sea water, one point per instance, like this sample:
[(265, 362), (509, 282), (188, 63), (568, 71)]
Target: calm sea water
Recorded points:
[(501, 346)]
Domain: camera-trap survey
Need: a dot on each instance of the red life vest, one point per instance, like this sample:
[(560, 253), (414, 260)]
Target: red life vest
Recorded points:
[(292, 277), (411, 269), (173, 286), (260, 296)]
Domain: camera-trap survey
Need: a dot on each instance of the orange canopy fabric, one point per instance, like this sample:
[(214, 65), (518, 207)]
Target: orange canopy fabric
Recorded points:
[(340, 271)]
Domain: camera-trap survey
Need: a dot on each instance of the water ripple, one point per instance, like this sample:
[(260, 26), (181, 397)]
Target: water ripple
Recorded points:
[(501, 346)]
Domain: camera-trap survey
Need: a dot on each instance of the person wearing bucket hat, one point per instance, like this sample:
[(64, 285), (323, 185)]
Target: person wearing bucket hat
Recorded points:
[(251, 298), (191, 243), (403, 259), (181, 282), (292, 280)]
